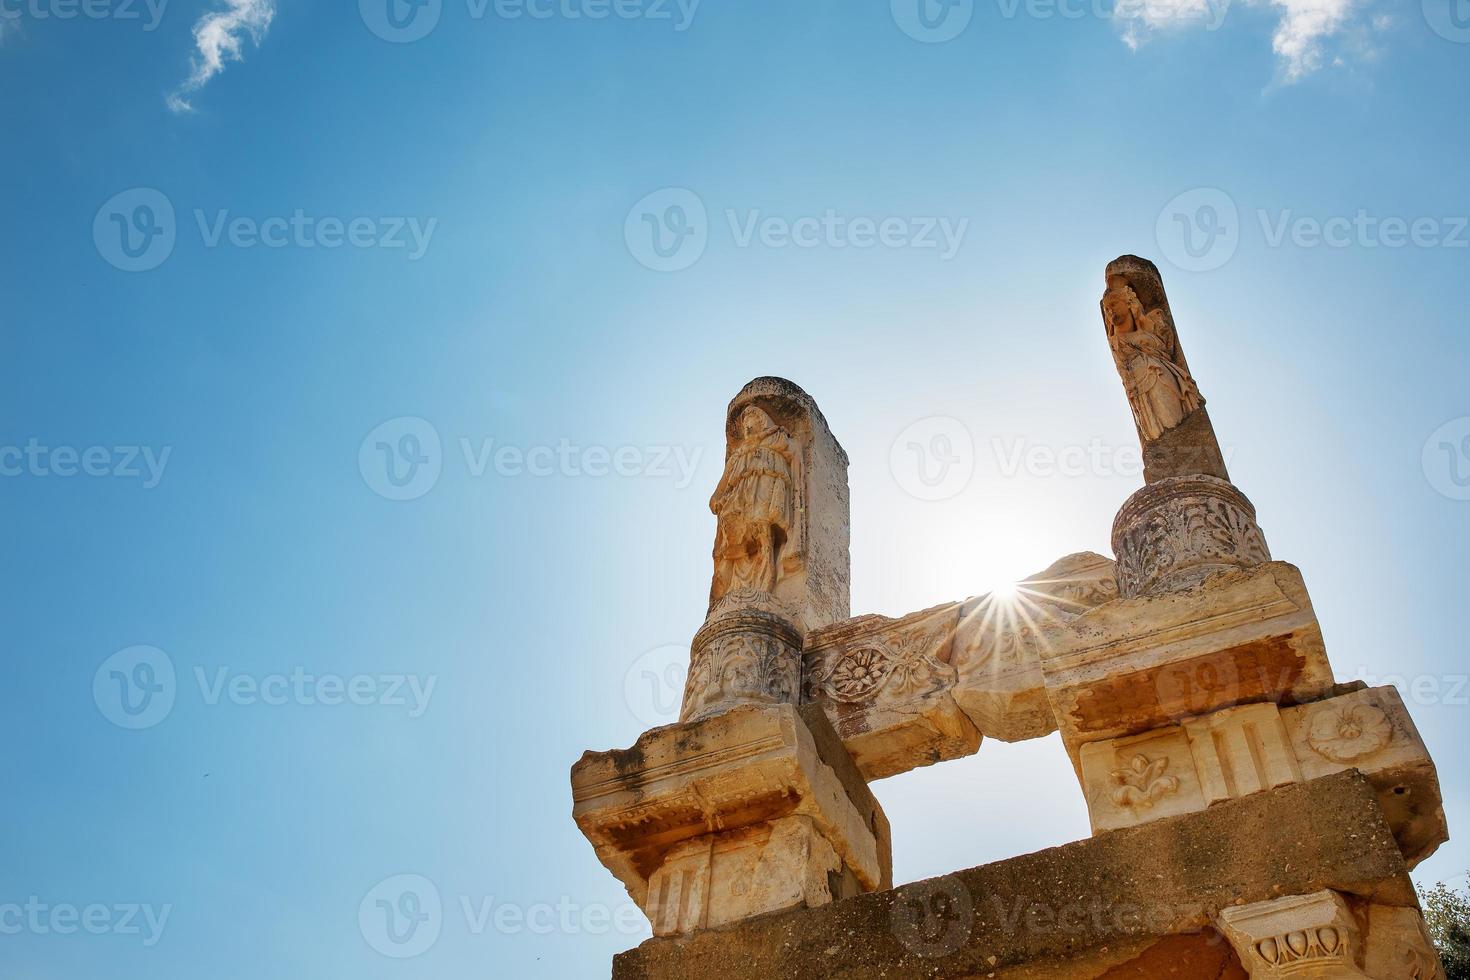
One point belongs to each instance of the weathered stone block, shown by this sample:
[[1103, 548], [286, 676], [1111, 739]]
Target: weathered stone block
[[691, 810], [1371, 731], [1137, 904], [1134, 665], [888, 687]]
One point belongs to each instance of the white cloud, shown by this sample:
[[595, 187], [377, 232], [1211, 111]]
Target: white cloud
[[1300, 39], [218, 39], [1305, 25]]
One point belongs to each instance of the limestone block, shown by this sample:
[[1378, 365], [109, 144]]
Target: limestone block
[[1371, 731], [888, 687], [1398, 946], [1182, 768], [690, 808], [1249, 749], [1133, 665], [1308, 936]]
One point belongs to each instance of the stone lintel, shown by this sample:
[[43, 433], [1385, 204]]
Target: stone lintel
[[926, 687], [1130, 904]]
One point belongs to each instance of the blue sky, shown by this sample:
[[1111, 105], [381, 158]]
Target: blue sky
[[250, 244]]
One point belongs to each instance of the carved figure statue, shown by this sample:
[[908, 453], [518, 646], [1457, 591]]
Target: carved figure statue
[[759, 533], [1160, 389]]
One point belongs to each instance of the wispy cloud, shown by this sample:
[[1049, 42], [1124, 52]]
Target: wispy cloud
[[1305, 26], [1301, 38], [218, 39]]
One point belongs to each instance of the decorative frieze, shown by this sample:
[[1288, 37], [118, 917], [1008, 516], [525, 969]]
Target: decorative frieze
[[1300, 936], [1176, 533], [746, 657]]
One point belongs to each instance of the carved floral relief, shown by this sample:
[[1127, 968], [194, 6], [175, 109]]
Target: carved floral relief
[[1348, 734], [1142, 783], [877, 670]]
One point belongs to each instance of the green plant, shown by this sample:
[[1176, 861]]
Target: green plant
[[1447, 913]]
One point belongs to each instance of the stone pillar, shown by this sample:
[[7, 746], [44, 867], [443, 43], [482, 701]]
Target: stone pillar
[[781, 566], [1189, 522], [751, 804]]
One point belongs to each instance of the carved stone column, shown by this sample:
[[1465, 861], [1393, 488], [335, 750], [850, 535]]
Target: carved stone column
[[1189, 522], [781, 566]]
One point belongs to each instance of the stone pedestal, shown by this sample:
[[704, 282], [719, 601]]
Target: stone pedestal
[[751, 811], [1178, 532], [747, 656]]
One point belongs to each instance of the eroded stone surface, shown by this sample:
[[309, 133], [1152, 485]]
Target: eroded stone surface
[[781, 507], [692, 808], [1178, 532], [1077, 911]]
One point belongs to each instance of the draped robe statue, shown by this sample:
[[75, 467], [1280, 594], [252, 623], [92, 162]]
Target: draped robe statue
[[1160, 389], [756, 502]]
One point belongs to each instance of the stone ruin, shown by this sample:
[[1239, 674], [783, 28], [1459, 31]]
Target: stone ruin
[[1251, 816]]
